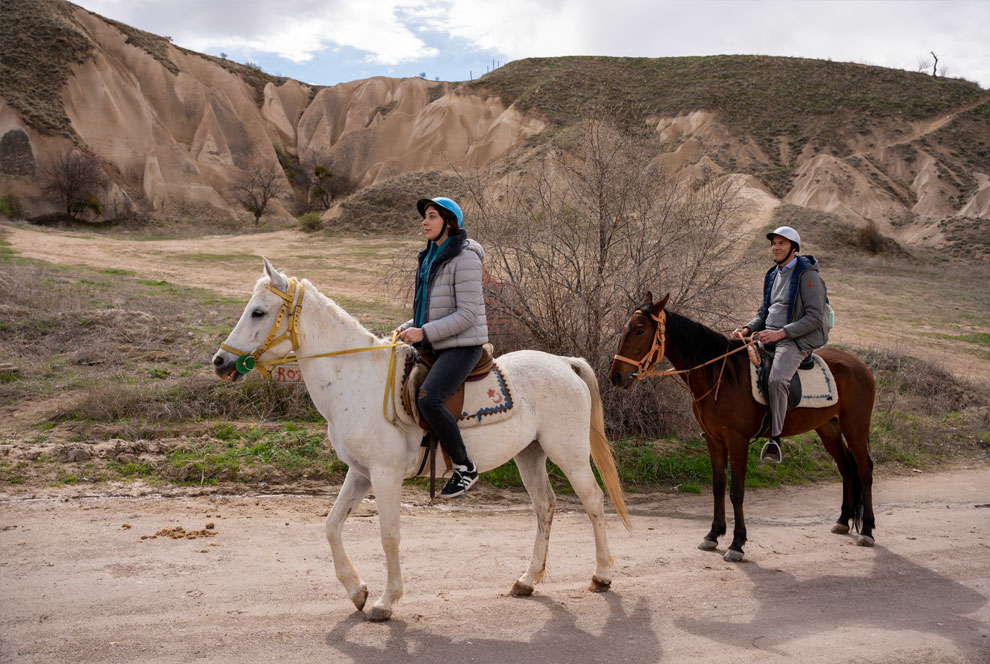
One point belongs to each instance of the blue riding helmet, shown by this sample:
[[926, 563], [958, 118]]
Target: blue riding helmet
[[443, 202]]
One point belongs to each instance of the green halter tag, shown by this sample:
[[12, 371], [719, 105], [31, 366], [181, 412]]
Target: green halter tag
[[244, 364]]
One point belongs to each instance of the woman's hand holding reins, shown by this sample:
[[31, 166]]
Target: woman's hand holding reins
[[411, 335]]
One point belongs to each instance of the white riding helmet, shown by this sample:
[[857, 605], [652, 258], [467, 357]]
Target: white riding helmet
[[789, 233]]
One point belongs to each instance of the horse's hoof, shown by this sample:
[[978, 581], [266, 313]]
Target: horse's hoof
[[865, 540], [378, 614], [599, 585], [707, 545], [521, 590], [840, 529], [360, 597], [733, 556]]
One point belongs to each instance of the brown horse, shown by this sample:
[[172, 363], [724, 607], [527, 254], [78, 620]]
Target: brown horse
[[716, 371]]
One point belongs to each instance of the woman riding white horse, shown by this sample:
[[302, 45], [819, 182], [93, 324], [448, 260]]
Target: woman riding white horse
[[558, 415], [449, 322]]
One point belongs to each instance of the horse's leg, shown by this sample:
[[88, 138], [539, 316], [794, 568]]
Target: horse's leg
[[577, 468], [831, 438], [387, 485], [717, 457], [738, 457], [532, 464], [354, 489], [857, 435]]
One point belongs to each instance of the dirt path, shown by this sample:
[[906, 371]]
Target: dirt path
[[80, 585], [229, 264]]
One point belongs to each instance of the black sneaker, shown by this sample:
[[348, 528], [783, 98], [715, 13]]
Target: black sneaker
[[461, 480], [770, 453]]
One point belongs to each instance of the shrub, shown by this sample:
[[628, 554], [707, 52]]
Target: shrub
[[10, 206], [870, 238], [310, 221]]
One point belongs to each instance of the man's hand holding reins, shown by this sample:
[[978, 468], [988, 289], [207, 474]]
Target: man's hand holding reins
[[740, 333], [770, 336]]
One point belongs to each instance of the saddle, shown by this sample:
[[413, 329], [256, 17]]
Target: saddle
[[766, 352], [765, 363], [418, 365]]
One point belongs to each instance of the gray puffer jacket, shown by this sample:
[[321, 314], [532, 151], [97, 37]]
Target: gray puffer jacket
[[806, 315], [455, 304]]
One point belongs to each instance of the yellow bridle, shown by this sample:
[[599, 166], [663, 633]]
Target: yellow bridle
[[247, 361], [290, 296]]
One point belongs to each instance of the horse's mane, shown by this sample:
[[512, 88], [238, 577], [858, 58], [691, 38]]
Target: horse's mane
[[338, 311], [697, 343], [335, 309]]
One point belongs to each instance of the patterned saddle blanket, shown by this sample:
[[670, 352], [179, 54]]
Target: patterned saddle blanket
[[810, 388], [483, 399]]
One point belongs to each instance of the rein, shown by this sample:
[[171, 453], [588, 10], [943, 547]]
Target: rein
[[247, 361], [647, 365]]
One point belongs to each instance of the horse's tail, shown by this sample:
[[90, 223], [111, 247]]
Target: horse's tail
[[601, 450]]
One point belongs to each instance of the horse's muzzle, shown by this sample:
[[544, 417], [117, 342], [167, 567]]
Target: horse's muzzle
[[624, 381], [224, 366]]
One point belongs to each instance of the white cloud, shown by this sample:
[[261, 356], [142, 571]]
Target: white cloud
[[392, 32], [292, 29], [879, 32]]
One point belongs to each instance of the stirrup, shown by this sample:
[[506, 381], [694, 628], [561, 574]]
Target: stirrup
[[765, 457]]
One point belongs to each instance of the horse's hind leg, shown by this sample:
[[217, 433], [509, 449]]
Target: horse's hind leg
[[532, 464], [831, 438], [577, 468], [857, 435], [354, 489]]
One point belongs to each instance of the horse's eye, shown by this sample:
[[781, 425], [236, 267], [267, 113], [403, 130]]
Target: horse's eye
[[257, 313], [640, 331]]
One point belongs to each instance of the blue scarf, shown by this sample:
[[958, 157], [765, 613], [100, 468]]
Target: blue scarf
[[419, 302]]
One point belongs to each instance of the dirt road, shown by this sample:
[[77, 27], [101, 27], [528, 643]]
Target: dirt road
[[80, 584], [228, 264]]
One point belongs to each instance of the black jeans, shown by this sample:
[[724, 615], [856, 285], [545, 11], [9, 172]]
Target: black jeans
[[450, 369]]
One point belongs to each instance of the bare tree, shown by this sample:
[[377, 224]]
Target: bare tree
[[75, 179], [574, 244], [325, 180], [260, 184], [319, 175], [934, 66]]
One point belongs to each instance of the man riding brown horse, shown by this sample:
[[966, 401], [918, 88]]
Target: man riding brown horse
[[791, 323]]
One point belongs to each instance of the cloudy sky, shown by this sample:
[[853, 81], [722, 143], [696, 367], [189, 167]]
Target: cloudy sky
[[331, 41]]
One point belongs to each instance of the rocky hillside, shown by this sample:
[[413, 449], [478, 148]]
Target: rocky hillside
[[174, 129]]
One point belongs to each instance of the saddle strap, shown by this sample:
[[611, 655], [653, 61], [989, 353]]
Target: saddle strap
[[431, 442], [433, 465]]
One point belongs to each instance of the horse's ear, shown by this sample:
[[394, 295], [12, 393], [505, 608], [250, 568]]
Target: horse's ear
[[278, 280], [658, 307], [648, 298]]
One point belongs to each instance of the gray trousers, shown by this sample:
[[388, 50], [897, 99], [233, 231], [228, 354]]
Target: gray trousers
[[786, 358]]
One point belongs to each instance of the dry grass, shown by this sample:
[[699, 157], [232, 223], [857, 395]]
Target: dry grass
[[40, 44]]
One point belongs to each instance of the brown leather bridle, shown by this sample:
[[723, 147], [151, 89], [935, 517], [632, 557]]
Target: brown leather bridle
[[645, 367]]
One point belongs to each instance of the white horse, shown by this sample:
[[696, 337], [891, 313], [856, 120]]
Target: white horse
[[559, 416]]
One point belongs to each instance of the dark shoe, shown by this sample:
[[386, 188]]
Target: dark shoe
[[771, 451], [460, 481]]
